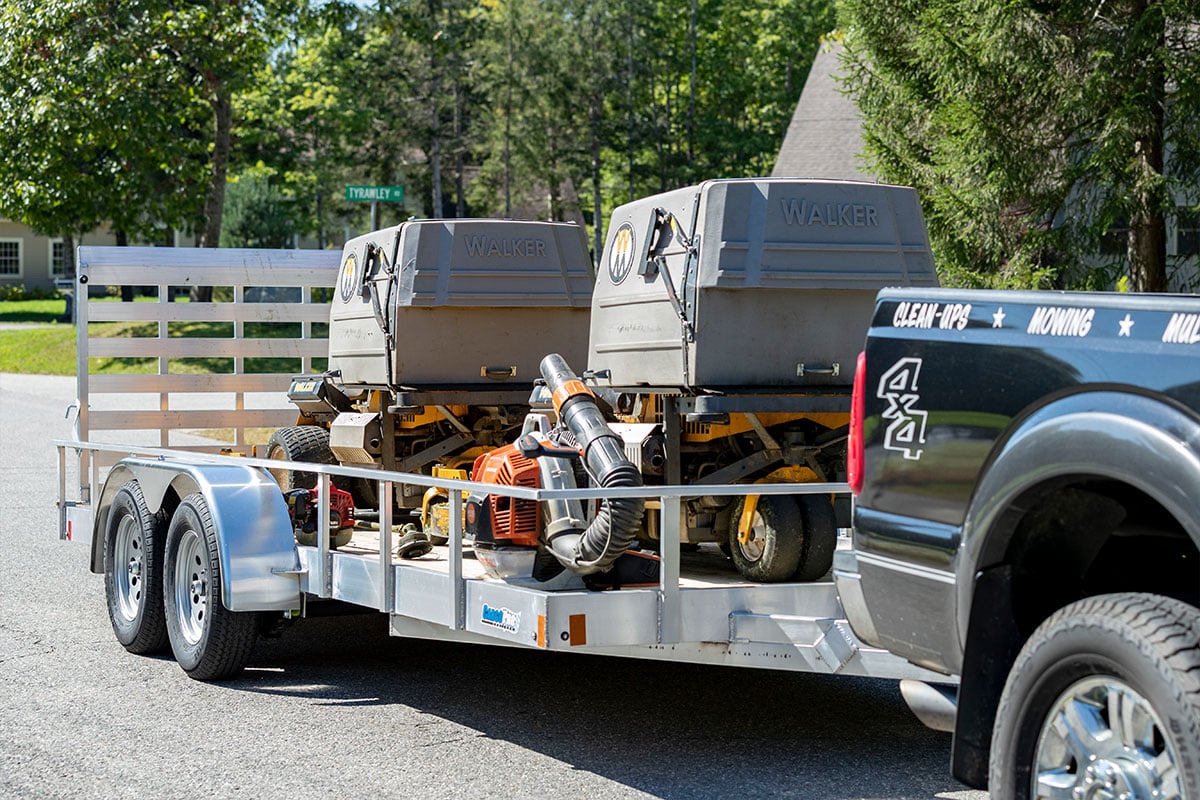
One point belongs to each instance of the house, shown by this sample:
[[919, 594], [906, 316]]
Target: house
[[824, 139], [29, 259]]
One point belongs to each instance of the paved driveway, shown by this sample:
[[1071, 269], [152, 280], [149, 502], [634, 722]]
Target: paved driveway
[[337, 709]]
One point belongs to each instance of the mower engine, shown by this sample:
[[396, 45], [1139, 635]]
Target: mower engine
[[506, 530], [304, 510]]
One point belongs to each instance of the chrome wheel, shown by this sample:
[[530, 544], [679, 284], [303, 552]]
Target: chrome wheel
[[129, 554], [1103, 741], [191, 586]]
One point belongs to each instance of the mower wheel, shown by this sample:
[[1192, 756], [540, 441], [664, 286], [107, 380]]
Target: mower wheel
[[433, 530], [820, 537], [308, 444], [775, 542]]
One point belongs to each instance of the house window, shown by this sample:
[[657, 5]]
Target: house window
[[1115, 241], [58, 258], [1187, 232], [10, 257]]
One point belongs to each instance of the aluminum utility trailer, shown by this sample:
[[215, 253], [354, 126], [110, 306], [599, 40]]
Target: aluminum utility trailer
[[700, 611]]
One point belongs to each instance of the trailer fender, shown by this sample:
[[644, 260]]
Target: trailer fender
[[255, 542]]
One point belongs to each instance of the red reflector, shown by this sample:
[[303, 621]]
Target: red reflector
[[854, 447]]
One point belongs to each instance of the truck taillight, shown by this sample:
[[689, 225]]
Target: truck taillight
[[854, 447]]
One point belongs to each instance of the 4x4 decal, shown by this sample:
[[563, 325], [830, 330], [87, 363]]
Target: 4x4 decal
[[906, 423]]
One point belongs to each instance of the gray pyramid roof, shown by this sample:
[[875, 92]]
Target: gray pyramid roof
[[825, 136]]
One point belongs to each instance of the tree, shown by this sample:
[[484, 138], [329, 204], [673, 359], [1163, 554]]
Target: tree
[[256, 212], [213, 49], [89, 131], [308, 113], [102, 114], [1030, 128]]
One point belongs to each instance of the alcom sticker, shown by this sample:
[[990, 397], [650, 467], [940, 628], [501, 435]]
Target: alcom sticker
[[503, 618]]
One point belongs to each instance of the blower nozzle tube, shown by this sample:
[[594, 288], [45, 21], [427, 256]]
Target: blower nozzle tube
[[614, 527]]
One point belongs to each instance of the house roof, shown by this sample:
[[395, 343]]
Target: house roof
[[824, 138]]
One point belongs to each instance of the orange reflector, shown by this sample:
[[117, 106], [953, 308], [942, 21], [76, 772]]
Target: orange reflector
[[577, 629], [541, 634]]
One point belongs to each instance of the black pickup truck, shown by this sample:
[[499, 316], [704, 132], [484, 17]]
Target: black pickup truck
[[1027, 476]]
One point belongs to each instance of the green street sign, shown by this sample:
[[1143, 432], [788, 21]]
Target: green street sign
[[378, 194]]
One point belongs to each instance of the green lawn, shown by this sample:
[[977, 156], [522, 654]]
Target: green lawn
[[42, 311], [49, 348]]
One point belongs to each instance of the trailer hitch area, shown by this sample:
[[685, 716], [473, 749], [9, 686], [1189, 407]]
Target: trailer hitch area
[[746, 522]]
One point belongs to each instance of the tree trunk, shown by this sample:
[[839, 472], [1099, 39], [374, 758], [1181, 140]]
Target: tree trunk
[[435, 121], [1147, 224], [123, 241], [597, 185], [691, 119], [214, 204], [460, 163]]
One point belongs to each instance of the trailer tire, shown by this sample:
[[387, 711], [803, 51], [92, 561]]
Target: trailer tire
[[820, 537], [1134, 655], [776, 542], [210, 642], [134, 540]]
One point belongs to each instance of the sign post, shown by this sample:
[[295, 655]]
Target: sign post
[[375, 195]]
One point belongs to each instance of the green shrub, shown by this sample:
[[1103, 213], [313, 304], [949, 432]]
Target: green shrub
[[19, 292]]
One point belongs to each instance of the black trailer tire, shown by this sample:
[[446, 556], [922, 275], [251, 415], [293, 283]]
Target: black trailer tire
[[820, 537], [308, 444], [1134, 655], [776, 542], [134, 540], [210, 642]]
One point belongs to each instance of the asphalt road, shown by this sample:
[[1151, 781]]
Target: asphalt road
[[335, 708]]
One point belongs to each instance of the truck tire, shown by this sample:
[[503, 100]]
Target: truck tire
[[820, 537], [134, 540], [776, 541], [1103, 701], [308, 444], [210, 642]]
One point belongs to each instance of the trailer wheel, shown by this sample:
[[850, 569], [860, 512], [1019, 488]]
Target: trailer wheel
[[133, 563], [820, 537], [1103, 701], [210, 642], [775, 544]]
